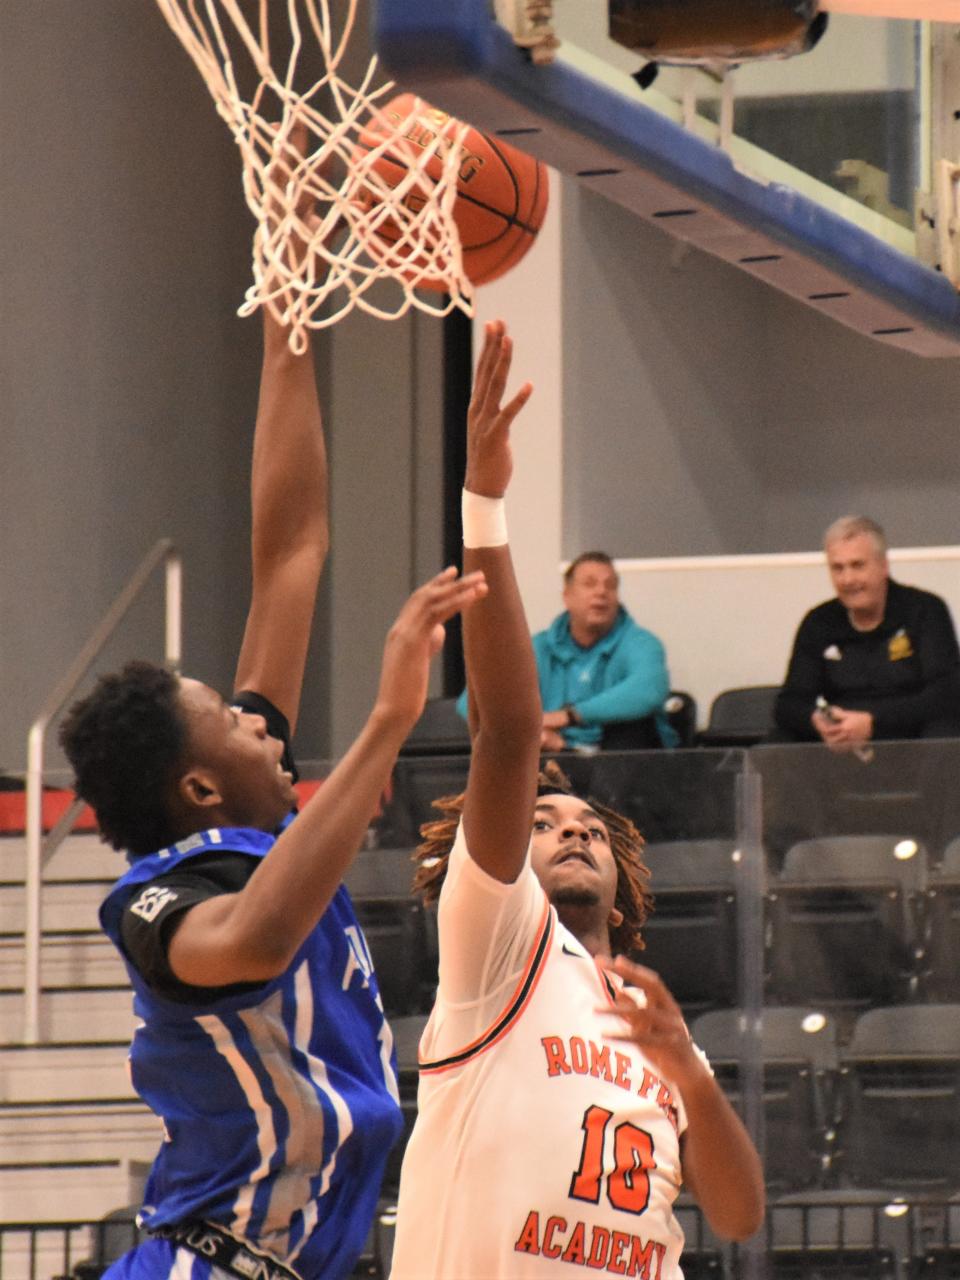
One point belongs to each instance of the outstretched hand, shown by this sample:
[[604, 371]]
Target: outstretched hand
[[489, 456], [653, 1023], [417, 635]]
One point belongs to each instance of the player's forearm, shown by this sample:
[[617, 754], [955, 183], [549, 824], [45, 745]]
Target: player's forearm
[[721, 1162], [253, 935], [289, 478], [502, 673]]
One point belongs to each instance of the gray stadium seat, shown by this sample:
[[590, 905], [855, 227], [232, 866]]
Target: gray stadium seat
[[901, 1099], [942, 927], [416, 782], [690, 939], [844, 921], [681, 709], [379, 882], [798, 1047], [741, 717], [842, 1234], [935, 1240]]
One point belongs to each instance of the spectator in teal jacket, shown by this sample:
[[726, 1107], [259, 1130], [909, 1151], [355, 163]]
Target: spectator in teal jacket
[[603, 679]]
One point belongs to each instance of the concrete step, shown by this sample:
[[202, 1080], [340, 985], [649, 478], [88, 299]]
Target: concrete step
[[78, 858], [64, 908], [55, 1134], [81, 960], [65, 1073], [72, 1017], [69, 1193]]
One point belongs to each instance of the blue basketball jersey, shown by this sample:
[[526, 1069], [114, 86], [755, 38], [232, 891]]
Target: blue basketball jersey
[[279, 1105]]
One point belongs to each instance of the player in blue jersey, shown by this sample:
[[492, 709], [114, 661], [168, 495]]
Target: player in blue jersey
[[263, 1045]]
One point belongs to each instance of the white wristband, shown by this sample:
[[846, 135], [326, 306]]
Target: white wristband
[[484, 520]]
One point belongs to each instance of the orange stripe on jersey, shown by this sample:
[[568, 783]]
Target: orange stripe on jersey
[[536, 963], [607, 985]]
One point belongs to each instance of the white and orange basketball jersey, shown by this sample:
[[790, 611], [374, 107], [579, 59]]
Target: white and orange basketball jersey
[[540, 1143]]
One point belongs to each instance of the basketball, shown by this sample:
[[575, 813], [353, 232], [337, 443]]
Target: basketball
[[501, 192]]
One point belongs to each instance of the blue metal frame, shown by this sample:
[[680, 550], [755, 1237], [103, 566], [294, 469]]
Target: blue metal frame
[[454, 54]]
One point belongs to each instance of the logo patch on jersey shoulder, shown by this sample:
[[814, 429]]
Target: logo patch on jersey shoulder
[[900, 647], [832, 653], [191, 842], [572, 951], [152, 901]]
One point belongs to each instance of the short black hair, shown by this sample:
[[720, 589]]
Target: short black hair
[[124, 742], [588, 557]]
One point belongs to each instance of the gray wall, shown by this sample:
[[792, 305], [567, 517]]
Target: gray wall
[[663, 392], [126, 380], [128, 385], [705, 414], [701, 414], [851, 426]]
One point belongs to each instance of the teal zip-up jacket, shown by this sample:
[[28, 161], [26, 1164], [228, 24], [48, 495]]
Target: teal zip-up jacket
[[621, 677]]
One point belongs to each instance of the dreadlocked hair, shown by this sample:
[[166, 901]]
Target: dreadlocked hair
[[124, 741], [634, 899]]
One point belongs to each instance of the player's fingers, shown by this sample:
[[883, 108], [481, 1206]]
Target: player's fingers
[[492, 334], [509, 412], [627, 1011], [461, 599], [483, 363], [419, 602], [450, 580], [450, 597], [437, 637], [650, 983], [298, 138], [625, 1025], [437, 601], [439, 588], [500, 371]]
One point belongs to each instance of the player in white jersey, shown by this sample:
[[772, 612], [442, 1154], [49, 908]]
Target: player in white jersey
[[559, 1111]]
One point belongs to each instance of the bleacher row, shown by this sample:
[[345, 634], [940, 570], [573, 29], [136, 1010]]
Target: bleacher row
[[859, 1044]]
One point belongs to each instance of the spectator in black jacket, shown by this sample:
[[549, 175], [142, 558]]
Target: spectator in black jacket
[[879, 661]]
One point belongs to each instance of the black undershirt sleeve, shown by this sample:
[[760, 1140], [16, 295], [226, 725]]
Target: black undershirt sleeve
[[154, 911]]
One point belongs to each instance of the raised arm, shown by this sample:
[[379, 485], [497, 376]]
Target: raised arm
[[288, 494], [290, 526], [254, 934], [505, 708]]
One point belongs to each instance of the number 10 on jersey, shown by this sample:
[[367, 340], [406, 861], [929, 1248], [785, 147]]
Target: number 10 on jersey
[[628, 1185]]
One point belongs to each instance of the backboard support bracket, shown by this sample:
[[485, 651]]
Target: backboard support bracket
[[948, 220], [824, 249], [945, 148], [530, 22]]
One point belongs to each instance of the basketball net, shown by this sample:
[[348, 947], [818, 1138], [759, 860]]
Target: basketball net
[[319, 207]]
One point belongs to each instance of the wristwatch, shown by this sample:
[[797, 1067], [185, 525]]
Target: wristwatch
[[572, 716]]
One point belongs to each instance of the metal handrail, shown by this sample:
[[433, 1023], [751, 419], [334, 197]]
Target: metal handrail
[[39, 851]]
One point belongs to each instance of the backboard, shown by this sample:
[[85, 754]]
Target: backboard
[[822, 175]]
